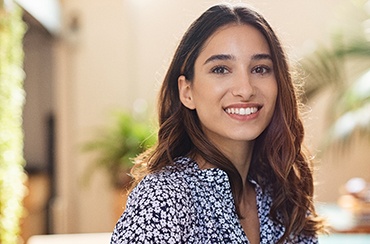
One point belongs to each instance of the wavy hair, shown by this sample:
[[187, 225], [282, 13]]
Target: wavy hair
[[277, 162]]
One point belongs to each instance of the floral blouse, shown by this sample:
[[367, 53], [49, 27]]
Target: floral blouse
[[184, 204]]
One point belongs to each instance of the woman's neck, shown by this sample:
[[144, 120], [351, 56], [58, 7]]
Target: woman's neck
[[240, 155]]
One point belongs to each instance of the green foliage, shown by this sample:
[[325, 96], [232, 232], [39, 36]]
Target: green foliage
[[12, 176], [118, 144], [344, 70]]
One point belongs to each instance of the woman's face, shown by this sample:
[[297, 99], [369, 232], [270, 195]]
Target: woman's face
[[234, 88]]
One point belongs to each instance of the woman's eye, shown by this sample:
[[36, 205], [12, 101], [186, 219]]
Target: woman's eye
[[261, 70], [220, 70]]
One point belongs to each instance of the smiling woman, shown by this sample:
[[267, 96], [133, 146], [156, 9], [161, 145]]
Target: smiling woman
[[228, 166], [234, 72]]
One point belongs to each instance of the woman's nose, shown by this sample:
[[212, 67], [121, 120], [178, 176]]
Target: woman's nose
[[243, 87]]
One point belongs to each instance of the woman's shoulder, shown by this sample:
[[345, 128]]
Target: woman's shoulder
[[158, 208], [171, 181], [178, 170]]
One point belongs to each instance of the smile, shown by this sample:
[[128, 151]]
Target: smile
[[241, 111]]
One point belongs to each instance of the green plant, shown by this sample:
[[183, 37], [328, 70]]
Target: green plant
[[344, 70], [12, 175], [117, 144]]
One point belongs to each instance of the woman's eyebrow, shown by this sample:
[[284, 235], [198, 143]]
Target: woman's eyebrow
[[261, 56], [219, 57]]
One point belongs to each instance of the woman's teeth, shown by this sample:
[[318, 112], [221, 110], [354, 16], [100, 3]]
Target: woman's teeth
[[241, 111]]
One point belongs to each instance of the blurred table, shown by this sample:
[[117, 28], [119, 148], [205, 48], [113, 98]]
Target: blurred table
[[337, 238], [90, 238], [341, 220], [104, 238], [343, 226]]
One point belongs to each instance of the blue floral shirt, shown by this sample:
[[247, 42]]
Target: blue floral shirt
[[184, 204]]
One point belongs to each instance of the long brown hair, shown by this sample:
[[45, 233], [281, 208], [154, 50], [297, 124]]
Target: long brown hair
[[277, 161]]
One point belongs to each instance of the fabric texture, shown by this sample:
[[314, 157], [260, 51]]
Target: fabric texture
[[184, 204]]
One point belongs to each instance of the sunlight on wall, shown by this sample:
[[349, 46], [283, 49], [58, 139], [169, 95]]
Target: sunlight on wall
[[45, 11]]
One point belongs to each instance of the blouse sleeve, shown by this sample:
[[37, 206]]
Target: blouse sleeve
[[157, 211]]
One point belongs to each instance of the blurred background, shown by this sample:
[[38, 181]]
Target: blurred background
[[87, 58]]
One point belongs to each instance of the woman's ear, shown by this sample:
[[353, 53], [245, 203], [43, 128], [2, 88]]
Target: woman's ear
[[185, 92]]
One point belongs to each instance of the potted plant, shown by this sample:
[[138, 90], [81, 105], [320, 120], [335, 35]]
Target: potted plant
[[117, 144]]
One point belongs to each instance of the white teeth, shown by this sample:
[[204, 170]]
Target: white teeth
[[241, 111]]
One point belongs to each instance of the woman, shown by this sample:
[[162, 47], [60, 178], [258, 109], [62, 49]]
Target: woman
[[228, 166]]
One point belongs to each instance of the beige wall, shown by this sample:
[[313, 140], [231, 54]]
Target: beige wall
[[337, 164], [117, 54]]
